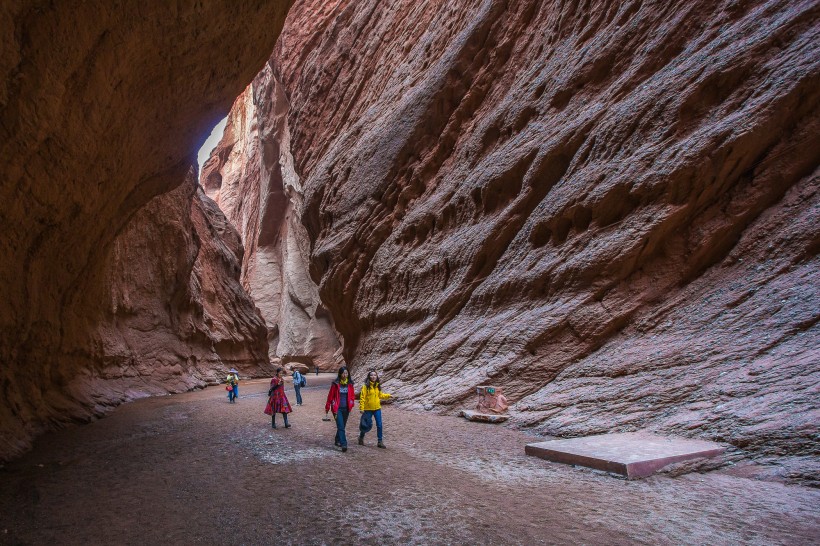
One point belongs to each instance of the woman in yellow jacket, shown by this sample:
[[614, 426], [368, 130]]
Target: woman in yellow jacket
[[370, 404]]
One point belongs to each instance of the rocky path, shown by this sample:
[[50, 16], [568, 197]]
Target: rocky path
[[191, 468]]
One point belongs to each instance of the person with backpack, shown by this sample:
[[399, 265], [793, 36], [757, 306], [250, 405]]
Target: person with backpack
[[340, 400], [232, 385], [299, 381], [277, 401], [370, 404]]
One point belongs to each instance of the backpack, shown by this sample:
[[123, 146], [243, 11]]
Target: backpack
[[299, 379]]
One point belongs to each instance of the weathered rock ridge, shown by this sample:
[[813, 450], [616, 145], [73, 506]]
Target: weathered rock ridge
[[609, 208], [119, 278], [250, 175]]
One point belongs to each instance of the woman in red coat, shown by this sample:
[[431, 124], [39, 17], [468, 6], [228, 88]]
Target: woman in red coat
[[340, 401], [277, 401]]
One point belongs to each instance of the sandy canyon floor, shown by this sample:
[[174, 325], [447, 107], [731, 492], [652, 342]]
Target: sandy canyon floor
[[193, 469]]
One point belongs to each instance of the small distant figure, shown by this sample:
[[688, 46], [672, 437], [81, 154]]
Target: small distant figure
[[299, 381], [370, 404], [232, 385], [277, 401], [317, 369], [340, 401]]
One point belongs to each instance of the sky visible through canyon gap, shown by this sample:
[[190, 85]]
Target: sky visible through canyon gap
[[211, 142]]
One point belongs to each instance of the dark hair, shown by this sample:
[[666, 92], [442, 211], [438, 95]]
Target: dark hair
[[339, 375], [377, 384], [279, 370]]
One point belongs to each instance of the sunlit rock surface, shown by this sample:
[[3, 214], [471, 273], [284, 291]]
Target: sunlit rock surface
[[608, 208], [102, 109], [250, 175]]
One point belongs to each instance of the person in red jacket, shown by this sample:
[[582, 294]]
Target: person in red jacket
[[277, 401], [340, 401]]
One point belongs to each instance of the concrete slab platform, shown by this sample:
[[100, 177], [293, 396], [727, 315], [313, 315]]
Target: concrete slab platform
[[471, 415], [630, 454]]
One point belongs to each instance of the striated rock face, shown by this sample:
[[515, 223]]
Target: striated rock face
[[250, 175], [608, 208], [113, 287], [176, 315]]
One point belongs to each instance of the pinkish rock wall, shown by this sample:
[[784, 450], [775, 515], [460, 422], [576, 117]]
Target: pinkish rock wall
[[112, 287], [250, 175], [608, 208], [175, 315]]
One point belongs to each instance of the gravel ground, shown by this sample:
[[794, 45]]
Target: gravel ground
[[193, 469]]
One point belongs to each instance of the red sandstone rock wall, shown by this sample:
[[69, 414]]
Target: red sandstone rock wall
[[108, 291], [609, 208], [250, 175], [175, 314]]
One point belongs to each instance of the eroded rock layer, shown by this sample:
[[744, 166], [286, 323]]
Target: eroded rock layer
[[176, 315], [609, 208], [250, 175], [112, 287]]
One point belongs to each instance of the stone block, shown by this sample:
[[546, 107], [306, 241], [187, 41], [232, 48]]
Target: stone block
[[633, 454], [491, 400], [471, 415]]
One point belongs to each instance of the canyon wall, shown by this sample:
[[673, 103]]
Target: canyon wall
[[608, 208], [250, 176], [120, 279], [175, 315]]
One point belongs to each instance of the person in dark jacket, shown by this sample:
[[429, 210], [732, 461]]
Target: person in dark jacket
[[340, 400]]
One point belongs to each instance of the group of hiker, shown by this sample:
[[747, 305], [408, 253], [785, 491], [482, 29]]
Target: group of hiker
[[341, 398]]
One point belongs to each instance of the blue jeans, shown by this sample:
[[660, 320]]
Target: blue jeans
[[341, 423], [298, 390], [366, 423]]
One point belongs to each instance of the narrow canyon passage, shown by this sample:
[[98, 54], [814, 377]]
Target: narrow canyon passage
[[608, 209], [191, 469]]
